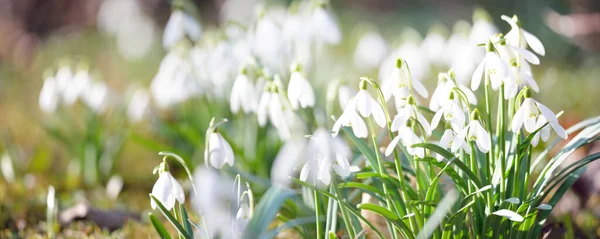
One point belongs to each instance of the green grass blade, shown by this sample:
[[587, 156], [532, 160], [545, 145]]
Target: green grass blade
[[266, 210], [170, 217], [160, 229]]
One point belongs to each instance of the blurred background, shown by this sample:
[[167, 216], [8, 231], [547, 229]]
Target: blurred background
[[103, 152]]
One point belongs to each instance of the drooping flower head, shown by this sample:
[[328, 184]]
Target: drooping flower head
[[492, 66], [180, 26], [300, 92], [476, 132], [533, 114], [217, 151], [517, 36], [166, 189]]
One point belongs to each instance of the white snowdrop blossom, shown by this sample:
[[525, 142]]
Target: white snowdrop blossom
[[300, 92], [410, 111], [544, 132], [78, 85], [475, 132], [517, 36], [434, 44], [518, 78], [450, 140], [400, 84], [96, 96], [452, 113], [325, 152], [492, 65], [215, 201], [49, 96], [406, 135], [370, 50], [175, 80], [242, 94], [350, 117], [180, 25], [327, 28], [219, 151], [167, 190], [533, 114], [291, 155], [446, 84], [138, 104], [273, 106], [367, 106]]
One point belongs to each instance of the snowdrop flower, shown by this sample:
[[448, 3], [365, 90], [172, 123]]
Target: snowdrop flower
[[63, 78], [410, 111], [216, 203], [450, 140], [400, 84], [517, 36], [138, 104], [406, 136], [325, 152], [327, 28], [434, 43], [351, 118], [520, 77], [446, 84], [475, 132], [78, 85], [300, 92], [180, 25], [345, 93], [166, 189], [291, 155], [452, 114], [482, 27], [533, 113], [49, 95], [492, 65], [267, 43], [366, 105], [96, 96], [370, 51], [512, 53], [219, 151], [242, 94], [175, 80]]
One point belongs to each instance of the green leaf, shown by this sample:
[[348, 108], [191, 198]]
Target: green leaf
[[390, 216], [160, 229], [266, 210], [185, 219], [364, 187], [449, 156], [170, 217]]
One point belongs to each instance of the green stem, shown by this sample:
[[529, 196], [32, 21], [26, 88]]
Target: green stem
[[382, 171], [318, 223]]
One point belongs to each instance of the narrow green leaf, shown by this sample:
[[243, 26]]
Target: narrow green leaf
[[160, 229], [266, 210], [170, 217], [390, 216], [185, 219], [449, 156]]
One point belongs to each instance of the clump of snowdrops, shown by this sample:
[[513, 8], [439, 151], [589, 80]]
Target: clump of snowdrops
[[465, 165]]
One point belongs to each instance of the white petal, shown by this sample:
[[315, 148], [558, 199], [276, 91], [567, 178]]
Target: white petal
[[342, 167], [494, 61], [162, 191], [476, 78], [530, 81], [535, 43], [263, 108], [530, 124], [363, 103], [527, 55], [390, 148], [550, 117], [177, 192], [399, 121], [424, 123], [518, 119], [174, 30], [304, 173], [192, 27], [378, 115], [359, 127], [327, 27], [436, 119], [420, 88], [535, 139], [49, 96], [447, 137], [483, 139]]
